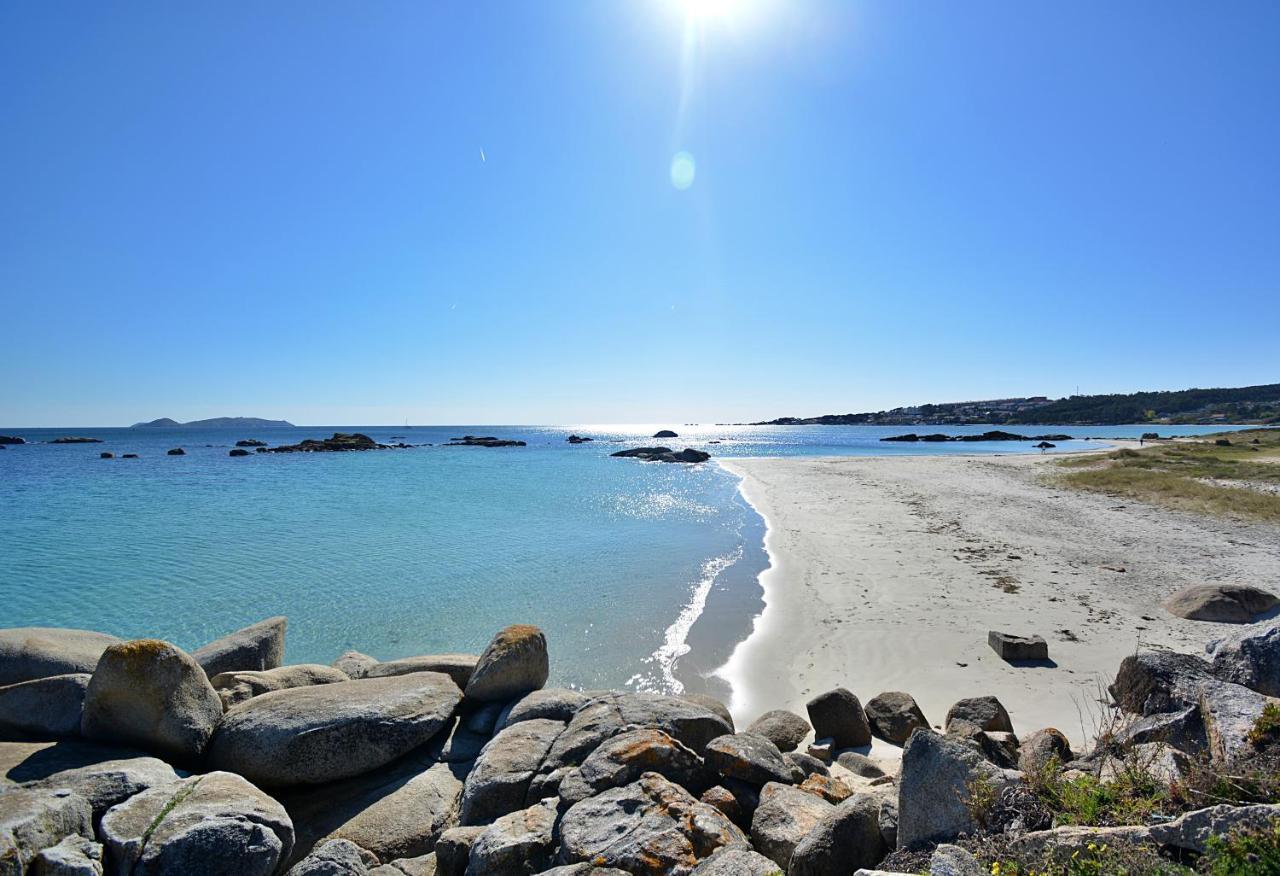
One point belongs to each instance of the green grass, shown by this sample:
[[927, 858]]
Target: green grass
[[1131, 797], [1244, 853], [1175, 474], [1266, 730]]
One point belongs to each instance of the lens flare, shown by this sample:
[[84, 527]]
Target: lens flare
[[683, 169]]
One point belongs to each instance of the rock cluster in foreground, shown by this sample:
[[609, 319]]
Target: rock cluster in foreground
[[135, 757]]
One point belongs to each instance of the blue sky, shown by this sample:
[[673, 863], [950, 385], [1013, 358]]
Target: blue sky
[[281, 209]]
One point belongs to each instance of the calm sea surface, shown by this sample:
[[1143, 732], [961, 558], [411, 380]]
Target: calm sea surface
[[626, 565]]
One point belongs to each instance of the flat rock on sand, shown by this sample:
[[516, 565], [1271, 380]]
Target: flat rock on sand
[[312, 735], [1224, 603], [37, 652]]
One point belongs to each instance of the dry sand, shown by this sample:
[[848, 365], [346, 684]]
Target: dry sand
[[887, 573]]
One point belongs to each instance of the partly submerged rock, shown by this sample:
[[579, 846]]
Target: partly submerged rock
[[339, 442], [354, 664], [648, 828], [313, 735], [236, 687], [38, 652], [257, 647], [459, 667], [153, 695], [182, 828], [43, 708], [664, 454], [514, 663], [1223, 603], [483, 441]]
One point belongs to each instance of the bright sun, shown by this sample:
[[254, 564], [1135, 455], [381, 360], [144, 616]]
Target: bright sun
[[704, 9]]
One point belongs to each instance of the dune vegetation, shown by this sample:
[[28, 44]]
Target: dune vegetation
[[1234, 474]]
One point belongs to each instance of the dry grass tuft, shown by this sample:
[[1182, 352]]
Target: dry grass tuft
[[1205, 477]]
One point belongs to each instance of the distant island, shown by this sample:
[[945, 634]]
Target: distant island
[[1259, 405], [215, 423]]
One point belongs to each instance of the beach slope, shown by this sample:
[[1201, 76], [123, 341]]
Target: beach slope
[[888, 572]]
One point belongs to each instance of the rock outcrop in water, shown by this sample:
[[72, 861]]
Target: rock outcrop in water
[[664, 454], [341, 441], [483, 441], [12, 439], [458, 764], [75, 439]]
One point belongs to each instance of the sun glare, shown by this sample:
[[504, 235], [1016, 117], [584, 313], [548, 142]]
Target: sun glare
[[705, 9]]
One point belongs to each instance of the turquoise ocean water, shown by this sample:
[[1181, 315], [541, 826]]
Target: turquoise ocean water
[[642, 574]]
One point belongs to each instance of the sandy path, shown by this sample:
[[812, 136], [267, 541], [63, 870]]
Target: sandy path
[[889, 571]]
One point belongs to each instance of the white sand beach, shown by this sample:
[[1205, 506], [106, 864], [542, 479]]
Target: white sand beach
[[888, 572]]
